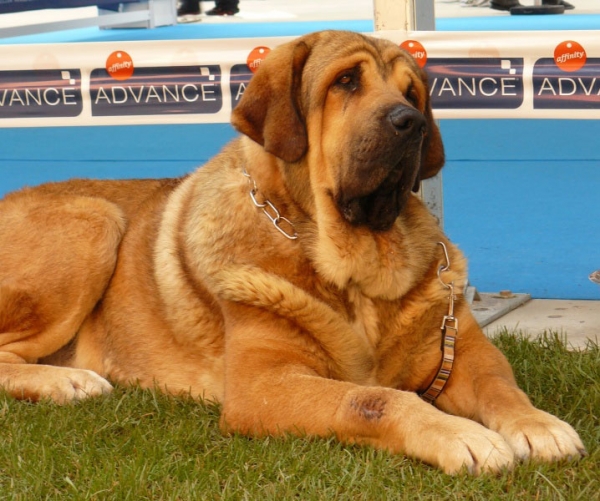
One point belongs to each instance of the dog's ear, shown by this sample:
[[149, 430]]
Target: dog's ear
[[269, 111], [432, 151]]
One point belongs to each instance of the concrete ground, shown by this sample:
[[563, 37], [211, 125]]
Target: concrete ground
[[578, 320], [293, 10]]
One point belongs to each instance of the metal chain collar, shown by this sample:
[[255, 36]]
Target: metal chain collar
[[449, 333], [271, 211]]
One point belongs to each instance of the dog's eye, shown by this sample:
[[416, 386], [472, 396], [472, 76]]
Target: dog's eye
[[345, 79], [412, 96], [348, 80]]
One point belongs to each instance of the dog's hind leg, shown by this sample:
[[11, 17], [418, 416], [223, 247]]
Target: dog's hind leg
[[57, 255]]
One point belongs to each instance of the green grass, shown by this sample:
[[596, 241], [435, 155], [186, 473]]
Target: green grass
[[138, 445]]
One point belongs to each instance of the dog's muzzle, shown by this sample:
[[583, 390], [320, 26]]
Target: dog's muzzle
[[386, 180]]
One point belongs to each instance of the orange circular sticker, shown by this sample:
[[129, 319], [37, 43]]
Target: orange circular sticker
[[416, 50], [256, 57], [570, 56], [119, 65]]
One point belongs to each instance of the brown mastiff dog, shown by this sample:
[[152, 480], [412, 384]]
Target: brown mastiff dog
[[294, 278]]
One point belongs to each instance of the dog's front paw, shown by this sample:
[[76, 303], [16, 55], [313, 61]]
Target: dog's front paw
[[459, 443], [476, 448], [539, 435]]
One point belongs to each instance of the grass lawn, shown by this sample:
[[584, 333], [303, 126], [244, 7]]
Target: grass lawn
[[137, 445]]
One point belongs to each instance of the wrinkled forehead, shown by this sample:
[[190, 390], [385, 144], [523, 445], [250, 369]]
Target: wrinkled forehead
[[332, 53], [330, 56], [328, 49]]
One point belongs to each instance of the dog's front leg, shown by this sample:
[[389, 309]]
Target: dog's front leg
[[277, 382], [482, 387]]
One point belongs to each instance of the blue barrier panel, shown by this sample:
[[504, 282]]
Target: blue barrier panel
[[520, 195]]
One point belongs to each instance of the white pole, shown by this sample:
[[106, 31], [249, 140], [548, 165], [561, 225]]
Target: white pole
[[393, 14], [405, 15]]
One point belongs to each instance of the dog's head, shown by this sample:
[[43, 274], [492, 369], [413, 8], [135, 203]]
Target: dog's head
[[356, 110]]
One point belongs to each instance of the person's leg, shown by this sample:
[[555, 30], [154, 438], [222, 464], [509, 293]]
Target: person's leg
[[224, 8], [188, 11]]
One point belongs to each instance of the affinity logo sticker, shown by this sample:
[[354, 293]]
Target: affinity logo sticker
[[119, 65], [256, 57], [416, 50], [570, 56]]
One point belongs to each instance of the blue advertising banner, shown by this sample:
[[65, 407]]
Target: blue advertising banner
[[156, 91], [40, 93], [475, 83], [553, 88]]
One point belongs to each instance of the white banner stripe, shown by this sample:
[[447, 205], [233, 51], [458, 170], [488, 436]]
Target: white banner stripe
[[472, 75]]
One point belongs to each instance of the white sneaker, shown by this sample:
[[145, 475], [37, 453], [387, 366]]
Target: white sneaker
[[189, 18]]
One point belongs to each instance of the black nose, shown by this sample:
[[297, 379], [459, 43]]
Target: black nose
[[407, 120]]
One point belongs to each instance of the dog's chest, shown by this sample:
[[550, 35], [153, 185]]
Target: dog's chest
[[401, 337], [364, 318]]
